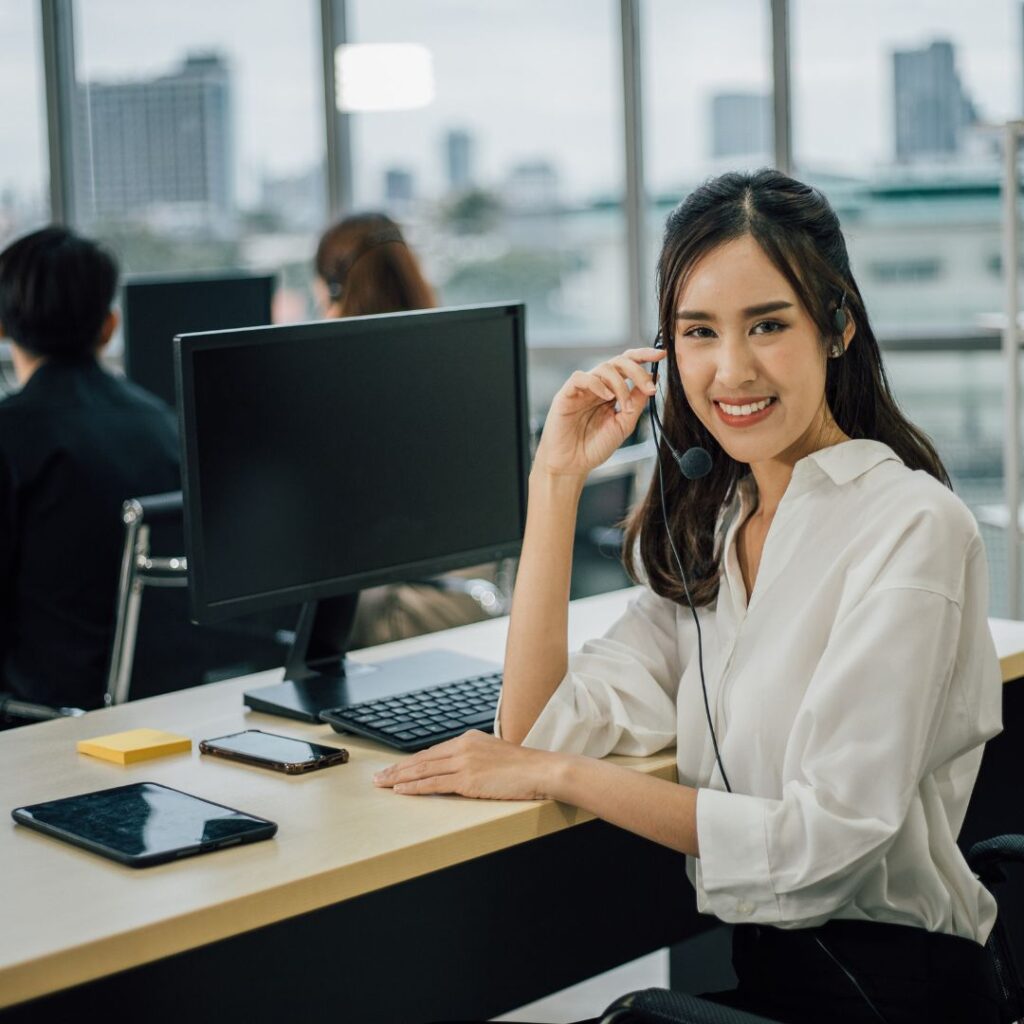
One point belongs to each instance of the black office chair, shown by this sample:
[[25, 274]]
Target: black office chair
[[987, 859], [156, 648]]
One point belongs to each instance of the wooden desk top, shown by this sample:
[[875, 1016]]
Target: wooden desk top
[[79, 916]]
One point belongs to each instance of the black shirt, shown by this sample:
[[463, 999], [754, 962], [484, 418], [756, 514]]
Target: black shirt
[[75, 443]]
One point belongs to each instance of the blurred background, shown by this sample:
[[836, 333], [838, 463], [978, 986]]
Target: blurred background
[[532, 150]]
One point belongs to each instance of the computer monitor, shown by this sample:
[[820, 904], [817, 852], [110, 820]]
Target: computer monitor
[[323, 458], [156, 308]]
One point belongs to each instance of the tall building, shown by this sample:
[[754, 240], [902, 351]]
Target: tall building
[[932, 109], [399, 185], [158, 148], [458, 146], [741, 125]]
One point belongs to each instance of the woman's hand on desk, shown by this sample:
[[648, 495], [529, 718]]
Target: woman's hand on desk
[[479, 765]]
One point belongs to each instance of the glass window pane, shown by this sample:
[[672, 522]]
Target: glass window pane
[[24, 172], [707, 93], [900, 126], [510, 180], [199, 136]]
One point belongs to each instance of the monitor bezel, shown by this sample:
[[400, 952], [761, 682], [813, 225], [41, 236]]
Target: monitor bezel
[[203, 609]]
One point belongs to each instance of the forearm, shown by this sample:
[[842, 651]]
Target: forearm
[[537, 652], [656, 809]]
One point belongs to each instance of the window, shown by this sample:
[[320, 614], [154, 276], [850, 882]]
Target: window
[[707, 94], [510, 180], [198, 136], [24, 190], [897, 117]]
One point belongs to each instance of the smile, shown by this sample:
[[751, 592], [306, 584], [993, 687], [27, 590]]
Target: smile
[[747, 414]]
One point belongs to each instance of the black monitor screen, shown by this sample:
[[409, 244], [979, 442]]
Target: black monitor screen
[[322, 458], [157, 309]]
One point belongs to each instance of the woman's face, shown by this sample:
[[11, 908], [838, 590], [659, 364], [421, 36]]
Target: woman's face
[[750, 357]]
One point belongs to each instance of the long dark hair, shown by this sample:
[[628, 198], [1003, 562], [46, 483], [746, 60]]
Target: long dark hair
[[799, 232], [368, 267]]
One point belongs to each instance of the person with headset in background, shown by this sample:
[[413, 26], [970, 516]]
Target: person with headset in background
[[364, 266], [812, 635]]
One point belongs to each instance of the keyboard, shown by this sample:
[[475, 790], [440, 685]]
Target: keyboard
[[421, 718]]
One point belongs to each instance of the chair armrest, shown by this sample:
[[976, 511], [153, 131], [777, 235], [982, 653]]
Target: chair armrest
[[985, 857], [662, 1006], [11, 708], [153, 508]]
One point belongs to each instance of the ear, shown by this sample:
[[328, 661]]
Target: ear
[[107, 330]]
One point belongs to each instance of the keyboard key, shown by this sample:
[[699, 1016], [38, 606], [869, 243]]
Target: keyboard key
[[478, 719]]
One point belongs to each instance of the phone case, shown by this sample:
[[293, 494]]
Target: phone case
[[288, 767]]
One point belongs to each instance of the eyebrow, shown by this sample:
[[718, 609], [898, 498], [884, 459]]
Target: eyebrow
[[764, 307]]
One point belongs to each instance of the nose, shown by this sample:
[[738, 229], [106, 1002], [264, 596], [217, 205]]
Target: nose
[[736, 363]]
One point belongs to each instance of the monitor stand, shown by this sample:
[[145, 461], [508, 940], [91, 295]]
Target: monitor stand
[[318, 676]]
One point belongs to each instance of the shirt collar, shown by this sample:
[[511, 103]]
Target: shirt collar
[[844, 462]]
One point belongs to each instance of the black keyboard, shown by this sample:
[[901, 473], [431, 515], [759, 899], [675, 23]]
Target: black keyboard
[[412, 721]]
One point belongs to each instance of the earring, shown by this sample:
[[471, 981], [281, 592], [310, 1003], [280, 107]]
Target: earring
[[836, 349]]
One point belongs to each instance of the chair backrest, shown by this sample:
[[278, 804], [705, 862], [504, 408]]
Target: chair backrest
[[156, 648]]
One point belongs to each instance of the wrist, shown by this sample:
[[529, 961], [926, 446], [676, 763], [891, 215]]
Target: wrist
[[562, 776], [543, 482]]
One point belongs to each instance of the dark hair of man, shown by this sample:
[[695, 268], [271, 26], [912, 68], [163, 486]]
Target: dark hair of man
[[799, 232], [56, 289], [369, 268]]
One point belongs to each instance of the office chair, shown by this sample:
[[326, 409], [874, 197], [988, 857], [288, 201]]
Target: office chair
[[987, 859], [174, 653]]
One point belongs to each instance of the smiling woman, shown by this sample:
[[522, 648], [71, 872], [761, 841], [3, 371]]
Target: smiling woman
[[833, 588]]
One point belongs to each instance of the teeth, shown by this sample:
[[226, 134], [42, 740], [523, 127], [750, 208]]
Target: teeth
[[745, 410]]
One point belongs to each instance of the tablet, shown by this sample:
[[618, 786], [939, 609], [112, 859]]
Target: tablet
[[144, 823]]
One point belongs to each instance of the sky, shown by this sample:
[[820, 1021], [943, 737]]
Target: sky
[[528, 78]]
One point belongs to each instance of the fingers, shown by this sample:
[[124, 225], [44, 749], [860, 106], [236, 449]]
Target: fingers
[[418, 770], [436, 784], [425, 761], [582, 381]]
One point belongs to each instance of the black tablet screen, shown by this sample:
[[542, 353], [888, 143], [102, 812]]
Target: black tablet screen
[[143, 821]]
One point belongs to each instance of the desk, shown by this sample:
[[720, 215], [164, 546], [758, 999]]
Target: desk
[[366, 906]]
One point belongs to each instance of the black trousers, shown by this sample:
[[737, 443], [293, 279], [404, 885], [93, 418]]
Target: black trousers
[[912, 976], [909, 974]]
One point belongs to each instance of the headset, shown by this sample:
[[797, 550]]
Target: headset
[[335, 284], [694, 464]]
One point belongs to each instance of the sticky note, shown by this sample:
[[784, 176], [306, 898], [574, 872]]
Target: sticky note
[[134, 745]]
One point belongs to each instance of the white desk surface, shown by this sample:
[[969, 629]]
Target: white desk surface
[[70, 916]]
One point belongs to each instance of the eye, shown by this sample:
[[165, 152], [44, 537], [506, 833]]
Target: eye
[[694, 332], [770, 327]]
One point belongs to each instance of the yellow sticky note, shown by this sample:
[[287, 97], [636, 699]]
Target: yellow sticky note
[[134, 745]]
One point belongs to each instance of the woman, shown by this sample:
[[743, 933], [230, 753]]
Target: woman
[[364, 266], [839, 595]]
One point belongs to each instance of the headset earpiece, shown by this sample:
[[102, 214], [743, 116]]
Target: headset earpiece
[[839, 316]]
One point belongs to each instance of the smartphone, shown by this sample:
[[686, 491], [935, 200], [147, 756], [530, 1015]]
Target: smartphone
[[268, 750]]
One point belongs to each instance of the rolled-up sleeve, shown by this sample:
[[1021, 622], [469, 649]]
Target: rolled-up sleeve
[[619, 693], [887, 705]]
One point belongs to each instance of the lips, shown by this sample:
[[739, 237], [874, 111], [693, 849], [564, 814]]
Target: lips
[[746, 412]]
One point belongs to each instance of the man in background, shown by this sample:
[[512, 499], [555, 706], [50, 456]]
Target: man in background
[[75, 443]]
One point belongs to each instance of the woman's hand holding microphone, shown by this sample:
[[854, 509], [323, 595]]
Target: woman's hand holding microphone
[[594, 412]]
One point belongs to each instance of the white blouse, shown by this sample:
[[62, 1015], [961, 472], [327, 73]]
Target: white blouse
[[851, 699]]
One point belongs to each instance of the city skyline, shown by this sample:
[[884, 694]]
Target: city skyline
[[274, 141]]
